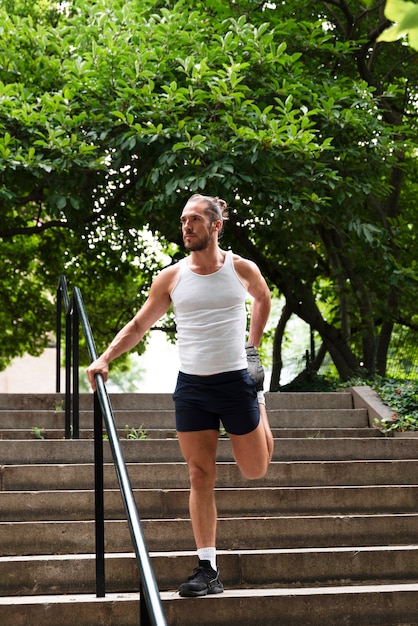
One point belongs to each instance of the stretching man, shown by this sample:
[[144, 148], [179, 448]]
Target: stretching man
[[220, 377]]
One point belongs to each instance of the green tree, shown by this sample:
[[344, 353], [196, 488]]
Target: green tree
[[113, 113], [405, 16]]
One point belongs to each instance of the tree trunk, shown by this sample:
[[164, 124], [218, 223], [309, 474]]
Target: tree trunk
[[383, 347], [339, 276], [386, 333], [277, 349], [301, 301], [303, 304], [302, 380]]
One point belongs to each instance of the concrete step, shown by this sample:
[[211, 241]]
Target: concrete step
[[166, 433], [175, 475], [173, 503], [55, 420], [37, 433], [167, 450], [56, 401], [325, 433], [360, 605], [337, 507], [235, 533], [310, 400], [318, 418], [120, 609], [390, 605], [153, 401], [148, 419], [240, 569]]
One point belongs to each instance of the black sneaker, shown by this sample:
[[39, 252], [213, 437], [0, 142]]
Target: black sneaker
[[204, 580]]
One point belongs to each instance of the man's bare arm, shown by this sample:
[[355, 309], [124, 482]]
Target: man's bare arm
[[258, 289], [156, 305]]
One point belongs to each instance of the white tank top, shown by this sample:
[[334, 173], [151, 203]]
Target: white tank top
[[211, 319]]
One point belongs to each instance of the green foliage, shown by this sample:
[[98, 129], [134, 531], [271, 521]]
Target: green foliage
[[405, 14], [402, 398], [312, 382], [403, 355], [38, 432], [399, 395], [22, 285], [113, 113], [400, 423], [135, 433]]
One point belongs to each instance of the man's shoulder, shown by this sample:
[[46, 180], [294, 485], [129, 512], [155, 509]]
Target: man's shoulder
[[246, 270], [241, 263], [167, 277], [171, 269]]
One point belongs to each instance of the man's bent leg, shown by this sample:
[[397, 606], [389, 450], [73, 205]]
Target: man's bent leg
[[253, 451], [267, 430]]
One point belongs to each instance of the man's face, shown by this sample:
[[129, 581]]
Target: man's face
[[196, 228]]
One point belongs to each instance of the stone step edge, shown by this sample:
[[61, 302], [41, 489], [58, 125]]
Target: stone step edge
[[163, 490], [66, 599], [220, 553], [306, 591], [224, 519], [172, 430], [229, 593], [157, 503]]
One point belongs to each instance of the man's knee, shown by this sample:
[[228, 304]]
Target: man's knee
[[202, 477], [254, 472], [252, 453]]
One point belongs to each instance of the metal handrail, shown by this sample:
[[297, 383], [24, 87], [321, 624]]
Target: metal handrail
[[151, 612]]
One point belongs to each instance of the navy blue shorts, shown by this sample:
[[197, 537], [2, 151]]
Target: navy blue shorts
[[203, 402]]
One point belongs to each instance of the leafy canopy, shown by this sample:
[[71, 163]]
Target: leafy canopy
[[113, 113]]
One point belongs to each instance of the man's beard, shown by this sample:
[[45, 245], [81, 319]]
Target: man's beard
[[199, 244]]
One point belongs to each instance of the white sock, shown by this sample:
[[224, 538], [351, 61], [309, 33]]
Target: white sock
[[208, 554], [260, 397]]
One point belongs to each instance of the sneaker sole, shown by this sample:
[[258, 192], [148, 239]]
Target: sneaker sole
[[196, 594]]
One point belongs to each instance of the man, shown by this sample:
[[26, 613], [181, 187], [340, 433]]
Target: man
[[208, 290]]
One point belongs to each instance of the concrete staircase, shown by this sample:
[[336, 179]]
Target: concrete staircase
[[328, 537]]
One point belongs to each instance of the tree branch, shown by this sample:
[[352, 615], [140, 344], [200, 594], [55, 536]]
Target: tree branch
[[112, 203], [33, 230]]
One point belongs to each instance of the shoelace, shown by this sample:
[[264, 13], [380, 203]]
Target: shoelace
[[199, 572]]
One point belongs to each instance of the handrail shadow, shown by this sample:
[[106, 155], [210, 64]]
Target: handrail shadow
[[151, 612]]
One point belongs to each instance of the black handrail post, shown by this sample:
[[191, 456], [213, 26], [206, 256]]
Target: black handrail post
[[99, 498], [58, 340], [76, 384], [144, 618], [150, 591], [68, 337], [62, 296]]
